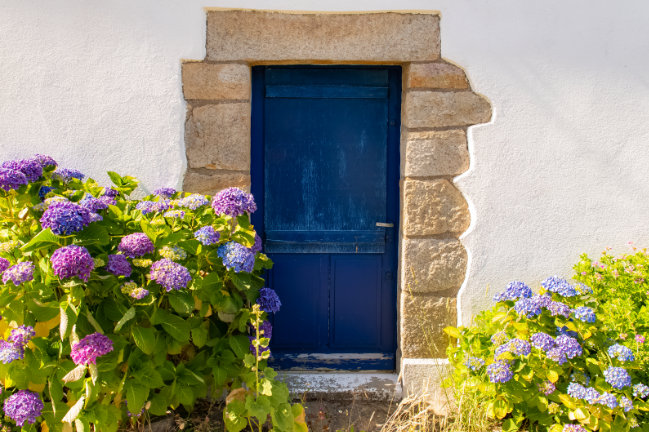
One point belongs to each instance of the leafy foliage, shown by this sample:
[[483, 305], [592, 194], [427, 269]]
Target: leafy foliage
[[175, 334]]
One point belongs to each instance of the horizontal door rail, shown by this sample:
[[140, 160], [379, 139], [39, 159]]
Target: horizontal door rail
[[325, 92]]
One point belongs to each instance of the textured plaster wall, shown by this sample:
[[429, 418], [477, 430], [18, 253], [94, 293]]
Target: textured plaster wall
[[560, 170]]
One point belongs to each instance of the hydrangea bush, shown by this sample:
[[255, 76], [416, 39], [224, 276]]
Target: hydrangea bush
[[113, 308], [546, 361]]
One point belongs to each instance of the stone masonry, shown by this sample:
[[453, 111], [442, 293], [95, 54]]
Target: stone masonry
[[438, 106]]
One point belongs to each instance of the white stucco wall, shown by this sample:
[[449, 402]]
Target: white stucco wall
[[560, 170]]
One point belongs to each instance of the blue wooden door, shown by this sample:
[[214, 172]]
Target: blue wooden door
[[325, 175]]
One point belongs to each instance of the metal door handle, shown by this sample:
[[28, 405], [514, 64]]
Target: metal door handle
[[384, 225]]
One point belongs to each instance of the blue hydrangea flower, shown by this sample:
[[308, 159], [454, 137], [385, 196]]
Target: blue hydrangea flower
[[11, 179], [237, 257], [110, 192], [617, 377], [542, 300], [66, 175], [570, 427], [527, 307], [556, 355], [93, 204], [626, 403], [620, 352], [10, 351], [30, 167], [564, 331], [576, 390], [194, 201], [580, 377], [207, 235], [583, 289], [474, 363], [542, 341], [499, 338], [19, 273], [165, 192], [569, 346], [514, 291], [118, 265], [547, 387], [608, 400], [519, 347], [591, 395], [268, 300], [43, 191], [585, 314], [233, 202], [179, 214], [560, 286], [65, 218], [640, 391], [171, 275], [558, 308], [45, 161], [499, 372]]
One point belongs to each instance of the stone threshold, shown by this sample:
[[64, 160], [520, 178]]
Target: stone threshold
[[337, 386]]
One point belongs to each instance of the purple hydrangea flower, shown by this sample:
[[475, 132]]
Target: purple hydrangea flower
[[569, 346], [4, 265], [576, 390], [90, 347], [617, 377], [564, 331], [626, 403], [519, 347], [527, 307], [620, 352], [265, 329], [556, 355], [542, 341], [10, 351], [257, 246], [174, 214], [560, 286], [118, 265], [514, 291], [22, 335], [43, 191], [547, 387], [147, 207], [93, 204], [110, 192], [233, 202], [136, 245], [194, 201], [165, 192], [542, 300], [19, 273], [65, 218], [583, 289], [23, 406], [640, 391], [585, 314], [252, 347], [474, 363], [70, 261], [591, 395], [45, 161], [573, 428], [499, 372], [171, 275], [66, 175], [30, 167], [11, 179], [268, 300], [207, 235], [236, 257], [608, 400], [558, 308]]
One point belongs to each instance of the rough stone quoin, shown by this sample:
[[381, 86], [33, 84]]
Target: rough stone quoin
[[434, 109], [210, 182], [432, 265], [267, 36], [423, 319], [218, 137], [436, 75], [435, 153], [433, 207], [207, 81]]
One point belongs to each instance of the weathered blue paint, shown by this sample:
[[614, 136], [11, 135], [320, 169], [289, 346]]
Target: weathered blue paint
[[325, 170]]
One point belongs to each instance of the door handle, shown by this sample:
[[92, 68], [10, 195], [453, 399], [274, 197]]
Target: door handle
[[385, 225]]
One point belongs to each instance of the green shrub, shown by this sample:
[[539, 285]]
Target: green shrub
[[547, 362], [113, 307]]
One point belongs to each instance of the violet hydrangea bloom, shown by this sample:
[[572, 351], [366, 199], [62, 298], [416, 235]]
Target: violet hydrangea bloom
[[620, 352], [30, 167], [641, 391], [23, 406], [10, 351], [207, 235], [136, 245], [165, 192], [66, 175], [527, 307], [569, 346], [110, 192], [4, 265], [585, 314], [19, 273], [233, 202], [118, 265], [570, 427], [73, 260], [43, 191], [93, 204], [236, 257], [542, 341], [558, 308], [560, 286], [22, 335], [474, 363], [11, 179], [171, 275], [268, 300], [174, 214], [45, 160], [514, 291], [65, 218], [194, 201], [547, 387], [499, 372], [257, 246], [90, 347], [617, 377]]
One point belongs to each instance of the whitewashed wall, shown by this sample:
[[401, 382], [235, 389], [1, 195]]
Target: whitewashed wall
[[560, 170]]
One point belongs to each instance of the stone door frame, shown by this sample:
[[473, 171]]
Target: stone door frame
[[438, 106]]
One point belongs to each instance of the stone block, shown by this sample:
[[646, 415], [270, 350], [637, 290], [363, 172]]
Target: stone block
[[435, 153], [422, 383], [432, 265], [423, 319], [209, 183], [218, 137], [433, 109], [206, 81], [433, 207], [257, 36], [435, 76]]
